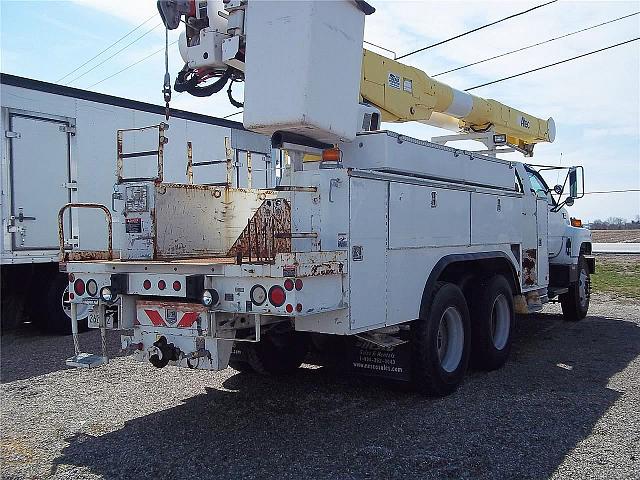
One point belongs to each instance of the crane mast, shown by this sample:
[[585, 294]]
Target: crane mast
[[283, 70]]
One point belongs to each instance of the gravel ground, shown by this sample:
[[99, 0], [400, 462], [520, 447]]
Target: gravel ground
[[566, 405]]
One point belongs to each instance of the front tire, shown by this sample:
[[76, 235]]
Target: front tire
[[575, 303], [440, 342], [492, 323]]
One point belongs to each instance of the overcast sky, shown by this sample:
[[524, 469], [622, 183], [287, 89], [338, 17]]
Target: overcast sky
[[595, 101]]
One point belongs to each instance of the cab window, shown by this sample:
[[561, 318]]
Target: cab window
[[538, 185]]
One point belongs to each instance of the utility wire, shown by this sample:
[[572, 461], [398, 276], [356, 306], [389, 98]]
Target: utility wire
[[104, 50], [132, 65], [536, 44], [111, 56], [614, 191], [476, 29], [553, 64], [233, 114]]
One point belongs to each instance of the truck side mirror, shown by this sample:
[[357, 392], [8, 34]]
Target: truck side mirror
[[569, 201], [573, 182]]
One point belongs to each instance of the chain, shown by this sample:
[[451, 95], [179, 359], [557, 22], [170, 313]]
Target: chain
[[166, 89]]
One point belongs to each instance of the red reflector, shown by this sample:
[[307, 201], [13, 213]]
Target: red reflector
[[289, 308], [162, 284], [299, 284], [147, 284], [72, 296], [72, 277], [299, 307], [176, 285], [277, 296], [288, 284], [78, 286]]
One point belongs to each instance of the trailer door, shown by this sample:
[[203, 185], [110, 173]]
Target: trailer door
[[39, 179]]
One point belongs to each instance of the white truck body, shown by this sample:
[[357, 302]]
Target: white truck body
[[416, 254]]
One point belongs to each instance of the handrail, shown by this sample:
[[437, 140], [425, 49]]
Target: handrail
[[85, 254]]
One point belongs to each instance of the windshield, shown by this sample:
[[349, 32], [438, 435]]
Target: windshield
[[538, 185]]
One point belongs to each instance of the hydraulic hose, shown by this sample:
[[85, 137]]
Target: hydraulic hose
[[190, 85]]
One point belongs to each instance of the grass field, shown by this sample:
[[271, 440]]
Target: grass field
[[615, 236], [617, 275]]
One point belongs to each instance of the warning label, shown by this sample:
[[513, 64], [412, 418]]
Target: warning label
[[133, 225]]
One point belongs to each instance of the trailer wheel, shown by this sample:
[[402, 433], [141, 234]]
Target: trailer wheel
[[278, 352], [575, 303], [55, 317], [440, 342], [491, 323]]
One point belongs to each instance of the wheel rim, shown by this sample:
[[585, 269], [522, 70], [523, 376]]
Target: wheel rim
[[450, 339], [82, 309], [500, 322], [583, 288]]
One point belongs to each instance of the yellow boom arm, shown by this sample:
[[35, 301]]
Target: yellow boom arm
[[404, 93]]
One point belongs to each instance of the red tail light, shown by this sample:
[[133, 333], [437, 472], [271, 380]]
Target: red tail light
[[78, 287], [289, 308], [277, 296], [162, 284], [299, 307], [147, 284], [299, 284], [177, 286], [288, 284]]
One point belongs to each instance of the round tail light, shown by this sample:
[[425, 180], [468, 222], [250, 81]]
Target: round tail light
[[288, 284], [147, 284], [289, 308], [277, 296], [78, 287], [299, 284], [92, 287], [177, 286], [162, 285]]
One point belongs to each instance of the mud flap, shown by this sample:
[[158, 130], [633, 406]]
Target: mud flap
[[366, 358]]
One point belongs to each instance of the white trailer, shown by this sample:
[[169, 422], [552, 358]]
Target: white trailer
[[59, 146], [407, 258]]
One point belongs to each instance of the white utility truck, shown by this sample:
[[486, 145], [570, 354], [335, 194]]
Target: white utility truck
[[405, 257], [58, 145]]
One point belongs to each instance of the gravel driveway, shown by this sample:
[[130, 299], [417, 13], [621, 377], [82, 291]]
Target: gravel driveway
[[566, 405]]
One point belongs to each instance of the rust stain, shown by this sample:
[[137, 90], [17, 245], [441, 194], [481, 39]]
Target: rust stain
[[268, 232]]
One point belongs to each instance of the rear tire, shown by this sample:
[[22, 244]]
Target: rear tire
[[491, 323], [575, 303], [281, 351], [55, 317], [440, 342]]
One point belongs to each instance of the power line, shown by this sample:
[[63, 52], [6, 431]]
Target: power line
[[614, 191], [111, 56], [104, 50], [233, 114], [132, 65], [536, 44], [553, 64], [476, 29]]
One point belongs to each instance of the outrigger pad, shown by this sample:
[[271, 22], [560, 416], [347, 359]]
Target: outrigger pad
[[87, 360]]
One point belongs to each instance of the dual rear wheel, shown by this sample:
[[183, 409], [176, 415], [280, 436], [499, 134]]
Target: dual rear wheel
[[453, 333]]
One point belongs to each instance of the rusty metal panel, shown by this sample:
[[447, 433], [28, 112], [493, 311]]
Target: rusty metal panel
[[201, 220], [268, 232]]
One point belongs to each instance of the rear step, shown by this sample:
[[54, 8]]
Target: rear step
[[87, 360]]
